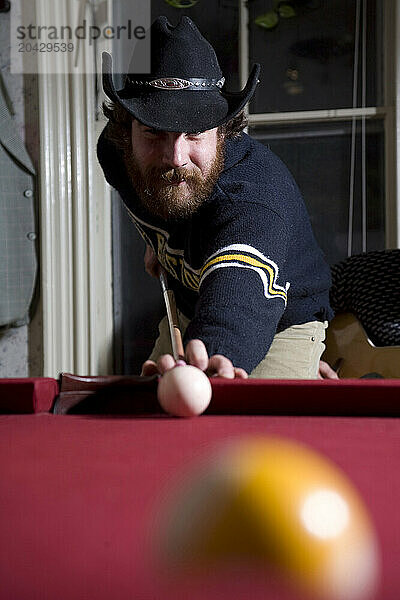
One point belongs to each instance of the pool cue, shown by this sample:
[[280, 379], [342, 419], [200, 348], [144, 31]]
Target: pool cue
[[172, 315]]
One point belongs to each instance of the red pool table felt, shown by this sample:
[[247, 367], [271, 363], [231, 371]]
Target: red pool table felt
[[79, 496]]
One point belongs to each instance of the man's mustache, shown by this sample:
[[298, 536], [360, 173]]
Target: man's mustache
[[173, 175]]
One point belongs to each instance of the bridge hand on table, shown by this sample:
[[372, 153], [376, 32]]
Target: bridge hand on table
[[196, 355]]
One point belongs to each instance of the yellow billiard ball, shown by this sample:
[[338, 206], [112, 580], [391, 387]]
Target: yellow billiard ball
[[279, 505]]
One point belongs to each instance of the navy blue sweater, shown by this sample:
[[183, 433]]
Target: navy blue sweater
[[246, 265]]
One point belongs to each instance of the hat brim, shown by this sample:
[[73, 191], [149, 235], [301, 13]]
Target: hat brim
[[179, 110]]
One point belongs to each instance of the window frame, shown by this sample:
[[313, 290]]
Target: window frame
[[389, 112]]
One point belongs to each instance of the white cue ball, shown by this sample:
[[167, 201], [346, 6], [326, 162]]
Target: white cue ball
[[184, 391]]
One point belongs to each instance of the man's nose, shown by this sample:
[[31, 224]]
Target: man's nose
[[175, 150]]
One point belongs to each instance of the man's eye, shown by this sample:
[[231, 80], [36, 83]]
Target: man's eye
[[195, 134]]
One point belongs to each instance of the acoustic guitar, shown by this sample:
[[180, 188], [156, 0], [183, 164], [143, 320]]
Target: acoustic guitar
[[352, 354]]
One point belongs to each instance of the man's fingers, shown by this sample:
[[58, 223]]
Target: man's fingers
[[196, 354], [149, 368], [240, 373], [165, 363], [220, 366], [326, 371], [216, 366]]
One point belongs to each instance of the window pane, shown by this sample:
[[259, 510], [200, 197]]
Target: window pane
[[307, 59], [318, 156]]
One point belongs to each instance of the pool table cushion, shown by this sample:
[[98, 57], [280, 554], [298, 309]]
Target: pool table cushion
[[137, 395], [27, 395]]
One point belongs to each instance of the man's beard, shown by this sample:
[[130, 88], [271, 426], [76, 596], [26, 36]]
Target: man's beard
[[163, 199]]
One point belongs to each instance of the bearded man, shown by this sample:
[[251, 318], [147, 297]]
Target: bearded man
[[219, 211]]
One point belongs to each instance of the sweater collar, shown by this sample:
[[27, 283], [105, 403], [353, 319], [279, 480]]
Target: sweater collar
[[235, 150]]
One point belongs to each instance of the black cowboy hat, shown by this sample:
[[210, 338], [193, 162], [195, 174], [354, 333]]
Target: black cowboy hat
[[185, 90]]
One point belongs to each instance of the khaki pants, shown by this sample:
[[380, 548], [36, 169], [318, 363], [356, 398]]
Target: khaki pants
[[294, 352]]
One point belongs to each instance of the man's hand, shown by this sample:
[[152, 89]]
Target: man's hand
[[196, 355], [326, 371], [151, 264]]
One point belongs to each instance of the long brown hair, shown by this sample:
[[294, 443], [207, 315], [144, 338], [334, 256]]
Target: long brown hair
[[120, 122]]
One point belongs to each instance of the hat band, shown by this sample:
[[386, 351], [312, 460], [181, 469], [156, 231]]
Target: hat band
[[175, 83]]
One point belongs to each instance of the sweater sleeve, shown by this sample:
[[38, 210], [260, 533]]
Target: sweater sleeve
[[243, 289]]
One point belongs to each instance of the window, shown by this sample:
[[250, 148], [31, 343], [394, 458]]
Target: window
[[323, 83]]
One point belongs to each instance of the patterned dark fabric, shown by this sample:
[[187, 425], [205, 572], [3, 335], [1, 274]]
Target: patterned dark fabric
[[368, 285]]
